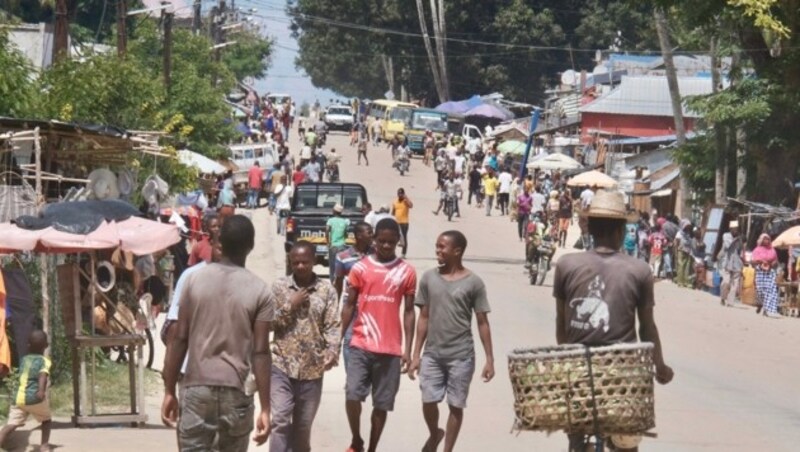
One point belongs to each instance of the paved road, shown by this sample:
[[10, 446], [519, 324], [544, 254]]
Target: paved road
[[736, 374]]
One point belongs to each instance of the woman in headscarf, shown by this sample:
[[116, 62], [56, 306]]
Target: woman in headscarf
[[765, 260]]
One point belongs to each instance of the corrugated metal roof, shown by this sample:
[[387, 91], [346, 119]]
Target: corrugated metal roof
[[647, 96], [664, 181]]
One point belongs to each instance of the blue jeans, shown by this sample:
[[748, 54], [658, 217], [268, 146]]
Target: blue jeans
[[294, 406], [212, 415], [667, 263], [252, 197]]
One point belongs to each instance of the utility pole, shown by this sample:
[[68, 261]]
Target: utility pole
[[197, 19], [122, 32], [61, 32], [432, 61], [721, 172], [675, 96], [167, 48]]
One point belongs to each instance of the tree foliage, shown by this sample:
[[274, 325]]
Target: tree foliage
[[17, 89], [515, 47]]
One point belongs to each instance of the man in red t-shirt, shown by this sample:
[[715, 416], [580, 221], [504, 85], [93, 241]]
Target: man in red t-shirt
[[381, 284], [255, 178]]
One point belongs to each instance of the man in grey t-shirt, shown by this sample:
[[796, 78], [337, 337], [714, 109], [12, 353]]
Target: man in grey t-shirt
[[600, 293], [448, 296], [225, 318]]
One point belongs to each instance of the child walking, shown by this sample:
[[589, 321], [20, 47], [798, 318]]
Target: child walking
[[30, 391]]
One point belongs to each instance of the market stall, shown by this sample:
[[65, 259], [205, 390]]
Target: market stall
[[81, 230]]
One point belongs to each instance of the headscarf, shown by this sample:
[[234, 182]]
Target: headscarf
[[764, 253]]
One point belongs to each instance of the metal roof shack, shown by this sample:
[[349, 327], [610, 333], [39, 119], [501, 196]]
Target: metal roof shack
[[640, 107]]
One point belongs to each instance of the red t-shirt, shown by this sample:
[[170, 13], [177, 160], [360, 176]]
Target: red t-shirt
[[255, 176], [298, 177], [381, 287]]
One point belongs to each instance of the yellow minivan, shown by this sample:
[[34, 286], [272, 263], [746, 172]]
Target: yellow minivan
[[393, 115]]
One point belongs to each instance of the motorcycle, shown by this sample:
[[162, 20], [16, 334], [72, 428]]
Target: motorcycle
[[402, 163], [540, 263], [449, 207], [332, 172]]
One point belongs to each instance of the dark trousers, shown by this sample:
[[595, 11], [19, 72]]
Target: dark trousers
[[474, 192], [522, 224], [404, 236], [502, 202], [294, 406]]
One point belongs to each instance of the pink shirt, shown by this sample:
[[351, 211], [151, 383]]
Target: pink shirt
[[255, 176], [381, 288]]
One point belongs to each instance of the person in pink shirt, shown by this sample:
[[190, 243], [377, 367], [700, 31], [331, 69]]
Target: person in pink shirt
[[255, 177], [382, 284]]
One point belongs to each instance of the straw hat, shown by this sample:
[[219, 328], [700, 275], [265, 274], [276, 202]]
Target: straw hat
[[338, 208], [610, 204]]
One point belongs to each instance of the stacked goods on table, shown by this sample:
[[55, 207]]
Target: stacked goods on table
[[588, 390]]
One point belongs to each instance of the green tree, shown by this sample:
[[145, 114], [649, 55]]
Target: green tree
[[17, 90], [766, 39], [250, 57]]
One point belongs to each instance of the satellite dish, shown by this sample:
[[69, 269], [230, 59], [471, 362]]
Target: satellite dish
[[600, 69], [103, 184], [126, 183], [569, 77]]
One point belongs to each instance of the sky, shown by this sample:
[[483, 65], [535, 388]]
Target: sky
[[282, 77]]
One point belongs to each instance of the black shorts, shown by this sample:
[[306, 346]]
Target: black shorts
[[376, 372]]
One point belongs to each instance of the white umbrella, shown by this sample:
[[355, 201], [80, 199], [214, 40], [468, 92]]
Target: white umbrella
[[592, 179], [555, 161], [204, 164]]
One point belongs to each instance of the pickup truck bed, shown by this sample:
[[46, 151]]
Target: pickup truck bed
[[313, 204]]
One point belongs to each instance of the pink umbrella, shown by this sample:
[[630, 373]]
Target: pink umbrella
[[136, 235]]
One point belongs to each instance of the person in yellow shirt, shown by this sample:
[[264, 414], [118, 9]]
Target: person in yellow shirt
[[490, 187], [400, 209]]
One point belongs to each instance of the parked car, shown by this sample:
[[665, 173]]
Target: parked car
[[244, 157]]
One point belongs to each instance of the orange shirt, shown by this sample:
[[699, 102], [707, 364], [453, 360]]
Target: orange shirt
[[401, 211]]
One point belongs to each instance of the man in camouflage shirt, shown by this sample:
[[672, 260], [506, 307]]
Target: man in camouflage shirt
[[306, 344]]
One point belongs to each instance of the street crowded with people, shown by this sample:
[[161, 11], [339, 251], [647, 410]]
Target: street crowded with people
[[404, 284]]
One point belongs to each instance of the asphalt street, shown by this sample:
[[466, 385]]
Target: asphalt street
[[736, 374]]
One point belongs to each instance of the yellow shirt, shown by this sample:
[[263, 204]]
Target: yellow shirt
[[490, 185], [401, 211]]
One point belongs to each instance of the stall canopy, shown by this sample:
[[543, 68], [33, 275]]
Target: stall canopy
[[592, 179], [512, 147], [79, 226], [489, 111], [555, 161], [203, 164], [789, 237]]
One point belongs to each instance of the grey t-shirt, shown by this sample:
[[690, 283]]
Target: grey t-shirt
[[222, 304], [451, 304], [602, 292]]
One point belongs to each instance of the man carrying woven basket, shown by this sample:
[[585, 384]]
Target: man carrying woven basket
[[600, 293]]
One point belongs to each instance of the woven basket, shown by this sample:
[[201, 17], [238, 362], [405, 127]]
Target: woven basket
[[553, 389]]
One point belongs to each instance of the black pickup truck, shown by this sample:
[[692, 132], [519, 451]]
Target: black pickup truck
[[312, 205]]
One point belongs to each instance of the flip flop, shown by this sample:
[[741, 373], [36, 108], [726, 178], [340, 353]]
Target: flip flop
[[439, 438]]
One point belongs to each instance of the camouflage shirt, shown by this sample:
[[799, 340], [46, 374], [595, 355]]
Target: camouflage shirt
[[304, 337]]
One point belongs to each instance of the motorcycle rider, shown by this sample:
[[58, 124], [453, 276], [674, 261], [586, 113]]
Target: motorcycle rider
[[402, 157], [332, 165], [449, 189], [534, 235], [322, 131]]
